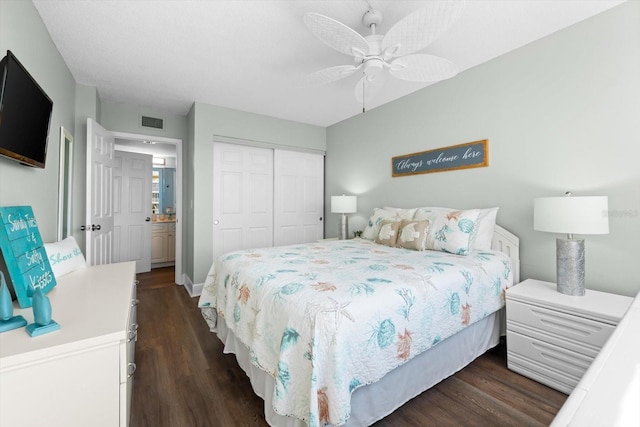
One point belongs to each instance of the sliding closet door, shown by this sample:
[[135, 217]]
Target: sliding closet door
[[242, 197], [298, 197]]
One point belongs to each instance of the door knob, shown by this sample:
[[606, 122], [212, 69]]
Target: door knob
[[216, 222], [147, 219], [95, 227]]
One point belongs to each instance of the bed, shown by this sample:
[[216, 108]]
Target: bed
[[343, 332]]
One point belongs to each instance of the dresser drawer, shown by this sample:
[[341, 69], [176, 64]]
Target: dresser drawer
[[591, 333], [559, 365]]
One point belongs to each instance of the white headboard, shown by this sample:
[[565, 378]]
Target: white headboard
[[508, 243]]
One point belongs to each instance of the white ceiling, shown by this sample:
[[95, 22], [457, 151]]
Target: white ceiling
[[248, 54]]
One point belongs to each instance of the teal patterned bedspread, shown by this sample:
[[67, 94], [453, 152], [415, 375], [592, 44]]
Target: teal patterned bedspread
[[326, 318]]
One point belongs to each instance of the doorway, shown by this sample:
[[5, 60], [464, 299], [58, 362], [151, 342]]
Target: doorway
[[166, 230]]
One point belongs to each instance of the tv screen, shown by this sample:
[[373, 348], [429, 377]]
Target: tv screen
[[25, 114]]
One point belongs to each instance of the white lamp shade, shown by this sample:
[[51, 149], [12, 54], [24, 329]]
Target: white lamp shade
[[344, 204], [571, 215]]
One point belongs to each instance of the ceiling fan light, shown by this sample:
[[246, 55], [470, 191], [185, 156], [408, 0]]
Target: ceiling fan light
[[373, 66]]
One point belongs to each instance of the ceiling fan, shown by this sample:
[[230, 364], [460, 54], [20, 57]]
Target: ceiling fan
[[393, 51]]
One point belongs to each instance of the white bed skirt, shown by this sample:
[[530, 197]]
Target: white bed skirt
[[375, 401]]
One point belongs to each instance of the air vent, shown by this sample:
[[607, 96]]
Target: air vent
[[152, 122]]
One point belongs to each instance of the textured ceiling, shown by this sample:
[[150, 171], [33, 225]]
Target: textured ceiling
[[249, 54]]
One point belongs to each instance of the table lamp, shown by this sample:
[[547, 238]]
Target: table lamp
[[344, 205], [571, 215]]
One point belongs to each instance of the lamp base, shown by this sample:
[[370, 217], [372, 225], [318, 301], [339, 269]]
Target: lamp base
[[570, 266], [344, 227]]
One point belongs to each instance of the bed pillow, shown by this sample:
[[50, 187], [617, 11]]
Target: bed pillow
[[453, 232], [483, 234], [388, 233], [412, 234], [64, 256], [430, 213], [402, 213], [380, 214]]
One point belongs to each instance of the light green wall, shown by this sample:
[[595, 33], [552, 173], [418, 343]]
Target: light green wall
[[207, 121], [560, 114], [22, 32], [126, 118]]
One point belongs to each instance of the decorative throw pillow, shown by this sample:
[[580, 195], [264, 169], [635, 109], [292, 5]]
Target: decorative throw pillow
[[64, 256], [453, 231], [380, 214], [388, 233], [413, 234], [432, 214]]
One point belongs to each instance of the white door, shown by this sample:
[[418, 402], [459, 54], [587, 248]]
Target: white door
[[298, 197], [132, 209], [242, 197], [99, 211]]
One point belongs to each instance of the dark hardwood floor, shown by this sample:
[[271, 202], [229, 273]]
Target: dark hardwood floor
[[184, 379]]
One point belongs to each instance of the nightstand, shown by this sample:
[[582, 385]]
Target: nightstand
[[553, 338]]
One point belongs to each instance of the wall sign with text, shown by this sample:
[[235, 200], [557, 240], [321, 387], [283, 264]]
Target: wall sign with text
[[461, 156], [25, 258]]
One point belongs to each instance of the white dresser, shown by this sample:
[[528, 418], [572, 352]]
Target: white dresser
[[609, 392], [553, 338], [80, 375]]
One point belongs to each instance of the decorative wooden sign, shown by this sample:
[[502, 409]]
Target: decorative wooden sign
[[24, 255], [462, 156]]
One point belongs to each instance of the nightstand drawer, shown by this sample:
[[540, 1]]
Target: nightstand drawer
[[554, 365], [591, 333]]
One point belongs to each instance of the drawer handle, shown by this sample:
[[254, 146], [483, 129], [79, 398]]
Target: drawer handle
[[132, 369]]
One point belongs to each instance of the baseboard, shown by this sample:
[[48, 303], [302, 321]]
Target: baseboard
[[197, 289], [193, 289]]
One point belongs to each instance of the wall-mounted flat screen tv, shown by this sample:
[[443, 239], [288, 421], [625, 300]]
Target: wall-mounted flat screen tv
[[25, 114]]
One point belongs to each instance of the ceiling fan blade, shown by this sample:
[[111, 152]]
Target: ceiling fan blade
[[335, 34], [420, 28], [367, 87], [328, 75], [422, 68]]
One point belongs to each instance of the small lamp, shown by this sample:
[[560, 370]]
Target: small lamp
[[344, 205], [571, 215]]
